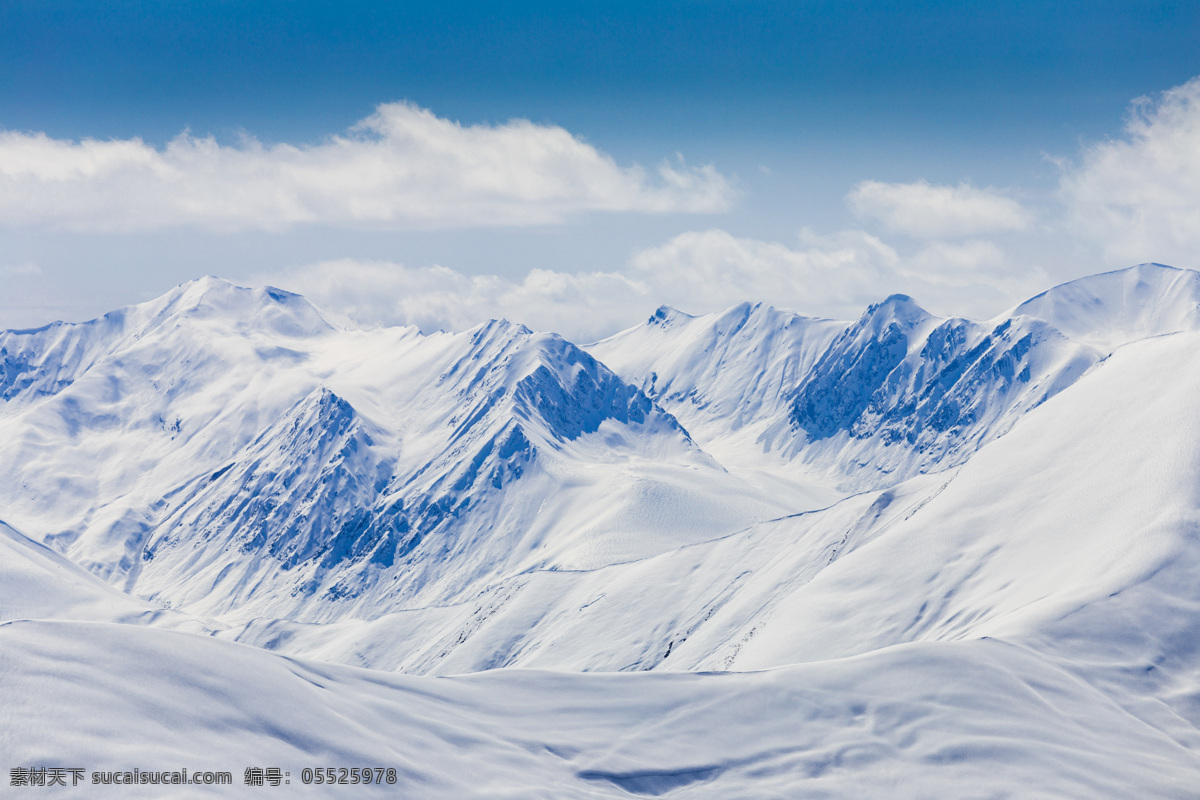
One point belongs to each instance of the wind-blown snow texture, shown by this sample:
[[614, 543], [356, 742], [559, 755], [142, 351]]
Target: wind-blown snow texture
[[959, 557]]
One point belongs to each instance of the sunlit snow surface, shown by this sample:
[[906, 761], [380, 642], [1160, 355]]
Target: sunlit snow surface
[[996, 600]]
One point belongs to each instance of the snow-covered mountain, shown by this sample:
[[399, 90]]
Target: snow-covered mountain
[[864, 404], [288, 469], [956, 558]]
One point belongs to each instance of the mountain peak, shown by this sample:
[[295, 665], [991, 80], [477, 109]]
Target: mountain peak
[[267, 307], [897, 317], [485, 331], [664, 316], [898, 308]]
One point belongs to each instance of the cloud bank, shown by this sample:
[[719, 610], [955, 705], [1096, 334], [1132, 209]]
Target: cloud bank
[[1139, 197], [927, 211], [697, 272], [581, 306], [402, 167]]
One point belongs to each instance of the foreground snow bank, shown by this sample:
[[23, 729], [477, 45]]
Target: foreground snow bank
[[973, 719]]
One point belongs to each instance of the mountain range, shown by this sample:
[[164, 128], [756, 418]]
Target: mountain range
[[751, 554]]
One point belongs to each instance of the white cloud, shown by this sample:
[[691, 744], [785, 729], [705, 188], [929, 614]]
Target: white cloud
[[402, 167], [711, 270], [697, 272], [926, 211], [957, 258], [1139, 197], [580, 306], [835, 276], [973, 278]]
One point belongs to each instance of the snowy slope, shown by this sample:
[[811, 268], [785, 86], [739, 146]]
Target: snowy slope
[[981, 719], [37, 583], [1115, 308], [1089, 501], [978, 718]]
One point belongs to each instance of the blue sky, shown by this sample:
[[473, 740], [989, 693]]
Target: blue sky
[[791, 105]]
